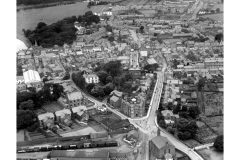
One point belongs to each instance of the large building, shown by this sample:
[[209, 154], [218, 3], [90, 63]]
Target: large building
[[91, 78], [213, 63], [134, 64], [20, 45], [32, 79], [133, 106], [74, 99], [160, 148]]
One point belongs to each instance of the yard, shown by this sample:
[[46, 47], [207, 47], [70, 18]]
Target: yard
[[92, 127], [20, 136], [52, 107], [79, 132]]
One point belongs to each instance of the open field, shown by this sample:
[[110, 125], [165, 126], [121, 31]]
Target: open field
[[216, 17], [135, 2], [79, 132], [216, 123], [210, 154], [213, 103], [204, 133]]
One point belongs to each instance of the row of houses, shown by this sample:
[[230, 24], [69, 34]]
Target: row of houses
[[65, 116]]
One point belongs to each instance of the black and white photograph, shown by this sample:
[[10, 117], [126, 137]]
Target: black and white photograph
[[118, 80]]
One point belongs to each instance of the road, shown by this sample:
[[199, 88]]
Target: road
[[196, 10], [148, 123], [179, 145]]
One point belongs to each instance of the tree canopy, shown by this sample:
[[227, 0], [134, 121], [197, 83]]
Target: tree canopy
[[79, 80], [186, 129], [27, 105], [27, 119], [32, 100], [34, 2], [60, 32], [219, 143], [219, 37]]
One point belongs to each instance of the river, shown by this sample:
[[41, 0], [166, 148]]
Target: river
[[28, 19]]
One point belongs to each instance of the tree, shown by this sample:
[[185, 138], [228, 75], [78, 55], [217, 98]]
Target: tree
[[113, 68], [184, 125], [98, 91], [25, 119], [111, 39], [102, 76], [141, 29], [176, 109], [219, 37], [171, 130], [162, 123], [194, 112], [89, 87], [108, 88], [219, 143], [19, 70], [60, 32], [184, 135], [66, 76], [88, 14], [25, 96], [128, 76], [109, 79], [151, 67], [175, 63], [183, 114], [51, 92], [201, 84], [40, 25], [79, 80], [27, 105]]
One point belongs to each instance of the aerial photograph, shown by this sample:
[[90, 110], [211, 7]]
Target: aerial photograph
[[119, 80]]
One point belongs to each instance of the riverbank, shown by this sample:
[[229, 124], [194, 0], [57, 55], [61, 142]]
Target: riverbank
[[26, 7]]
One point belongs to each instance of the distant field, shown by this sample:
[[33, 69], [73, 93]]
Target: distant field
[[216, 17], [213, 103]]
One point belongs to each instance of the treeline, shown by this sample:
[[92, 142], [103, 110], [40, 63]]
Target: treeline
[[95, 3], [60, 32], [34, 2], [29, 101]]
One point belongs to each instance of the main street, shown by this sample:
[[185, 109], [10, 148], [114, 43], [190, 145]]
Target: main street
[[148, 123]]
